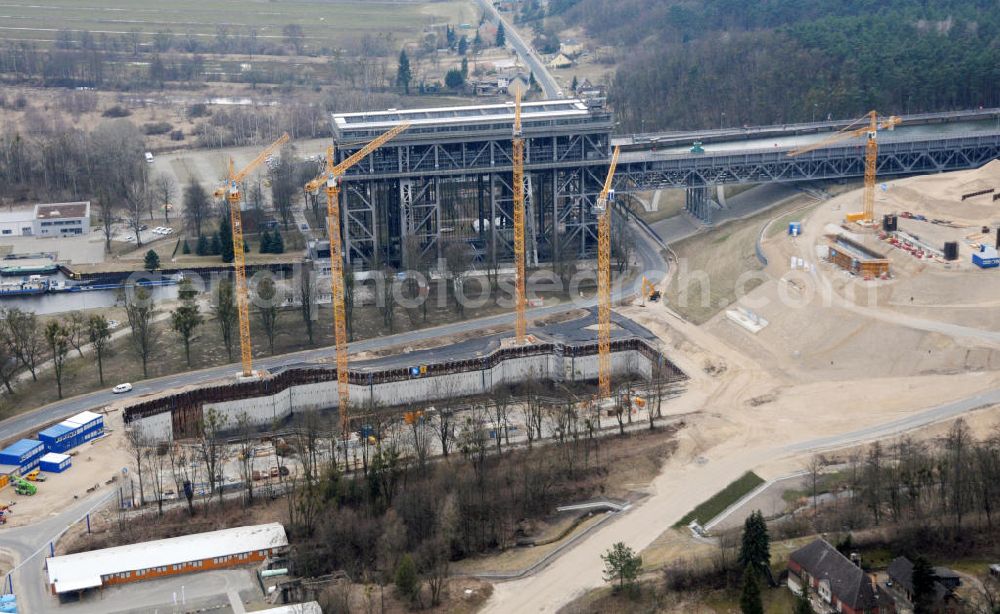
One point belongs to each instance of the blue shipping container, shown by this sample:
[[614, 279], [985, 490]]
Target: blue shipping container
[[66, 435], [54, 463], [22, 452], [57, 437]]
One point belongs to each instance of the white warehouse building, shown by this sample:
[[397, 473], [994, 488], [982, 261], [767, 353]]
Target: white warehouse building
[[62, 219], [47, 220]]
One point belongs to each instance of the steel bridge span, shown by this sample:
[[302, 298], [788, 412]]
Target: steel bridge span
[[448, 179]]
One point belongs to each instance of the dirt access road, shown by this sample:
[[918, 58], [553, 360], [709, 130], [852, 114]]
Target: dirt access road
[[776, 434], [795, 413]]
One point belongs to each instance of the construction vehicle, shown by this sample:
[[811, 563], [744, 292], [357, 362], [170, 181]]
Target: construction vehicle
[[870, 132], [649, 290], [24, 487], [520, 297], [603, 212], [331, 178], [231, 191]]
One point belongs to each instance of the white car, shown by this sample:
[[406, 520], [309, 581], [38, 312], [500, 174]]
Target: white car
[[159, 230], [120, 388]]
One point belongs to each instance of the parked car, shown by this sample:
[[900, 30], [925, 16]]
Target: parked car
[[121, 388]]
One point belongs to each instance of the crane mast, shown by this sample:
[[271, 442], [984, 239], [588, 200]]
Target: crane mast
[[604, 281], [870, 132], [231, 191], [520, 299], [330, 179], [871, 159]]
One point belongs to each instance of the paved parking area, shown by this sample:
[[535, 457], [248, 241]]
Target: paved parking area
[[187, 593]]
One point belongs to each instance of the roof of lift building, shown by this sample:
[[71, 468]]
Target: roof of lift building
[[363, 126]]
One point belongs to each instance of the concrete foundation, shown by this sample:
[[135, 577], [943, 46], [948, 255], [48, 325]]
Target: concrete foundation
[[552, 364], [565, 352]]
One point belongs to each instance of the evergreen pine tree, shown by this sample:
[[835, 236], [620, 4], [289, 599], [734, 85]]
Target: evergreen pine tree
[[407, 581], [755, 546], [404, 74], [277, 243], [501, 36], [226, 239], [750, 599], [215, 247], [152, 261], [202, 248], [923, 586], [265, 242], [185, 248]]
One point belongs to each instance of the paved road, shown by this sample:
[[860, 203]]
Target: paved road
[[30, 545], [537, 66], [649, 262]]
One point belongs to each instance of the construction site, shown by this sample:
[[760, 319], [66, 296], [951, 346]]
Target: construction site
[[872, 304]]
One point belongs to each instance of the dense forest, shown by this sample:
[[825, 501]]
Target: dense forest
[[733, 62]]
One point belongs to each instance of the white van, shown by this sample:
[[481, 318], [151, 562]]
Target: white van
[[149, 158]]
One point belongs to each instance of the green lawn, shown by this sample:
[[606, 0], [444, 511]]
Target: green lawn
[[722, 499]]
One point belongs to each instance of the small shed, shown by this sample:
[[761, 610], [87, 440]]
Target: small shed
[[986, 257], [55, 463]]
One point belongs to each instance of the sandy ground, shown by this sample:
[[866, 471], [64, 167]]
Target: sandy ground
[[839, 358], [94, 464]]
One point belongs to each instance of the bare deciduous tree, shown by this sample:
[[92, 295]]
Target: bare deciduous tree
[[212, 450], [25, 337], [140, 311], [165, 189], [57, 338], [268, 303]]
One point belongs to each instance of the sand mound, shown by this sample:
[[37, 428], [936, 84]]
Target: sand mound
[[940, 196]]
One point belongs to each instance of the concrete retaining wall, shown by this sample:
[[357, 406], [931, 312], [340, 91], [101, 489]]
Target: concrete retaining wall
[[265, 410]]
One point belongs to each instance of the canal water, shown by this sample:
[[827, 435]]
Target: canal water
[[799, 140]]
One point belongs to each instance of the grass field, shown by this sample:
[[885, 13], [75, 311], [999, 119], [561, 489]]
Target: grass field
[[722, 499], [325, 23]]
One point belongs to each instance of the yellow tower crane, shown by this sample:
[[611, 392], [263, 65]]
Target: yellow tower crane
[[870, 131], [520, 298], [231, 191], [603, 212], [331, 178]]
